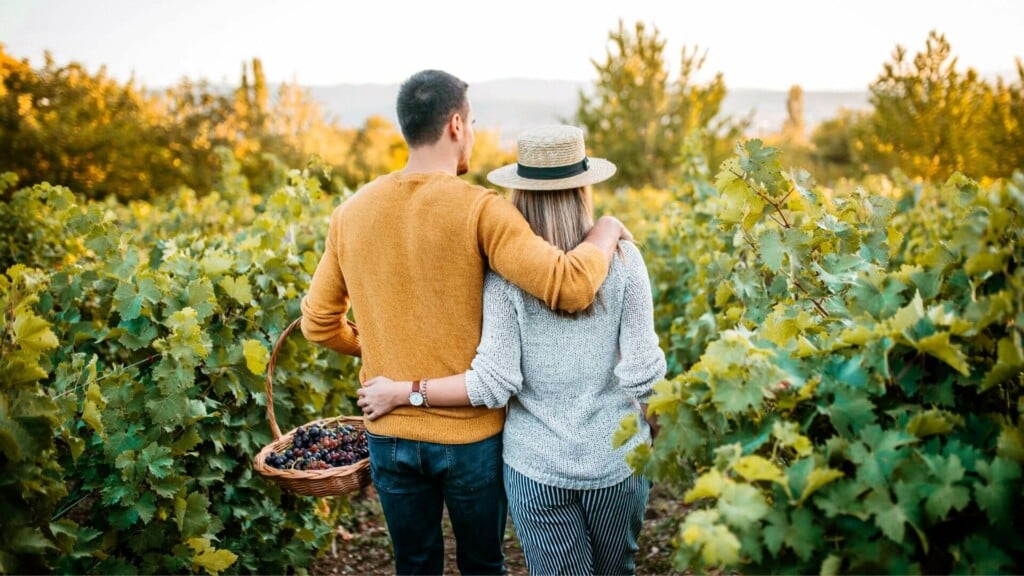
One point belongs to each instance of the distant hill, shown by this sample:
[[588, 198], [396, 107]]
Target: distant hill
[[509, 106]]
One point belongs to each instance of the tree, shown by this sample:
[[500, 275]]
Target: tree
[[928, 116], [64, 125], [794, 128], [637, 116]]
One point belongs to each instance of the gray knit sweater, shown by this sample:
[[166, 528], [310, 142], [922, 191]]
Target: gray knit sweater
[[568, 382]]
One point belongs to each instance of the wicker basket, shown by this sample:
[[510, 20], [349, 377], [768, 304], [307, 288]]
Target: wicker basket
[[329, 482]]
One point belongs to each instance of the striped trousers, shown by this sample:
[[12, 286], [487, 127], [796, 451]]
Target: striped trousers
[[566, 531]]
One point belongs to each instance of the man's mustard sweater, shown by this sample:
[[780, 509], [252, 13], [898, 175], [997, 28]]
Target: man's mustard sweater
[[409, 253]]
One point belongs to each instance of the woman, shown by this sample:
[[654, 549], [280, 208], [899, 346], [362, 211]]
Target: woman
[[568, 380]]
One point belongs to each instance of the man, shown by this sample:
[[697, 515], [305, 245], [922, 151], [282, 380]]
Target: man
[[409, 251]]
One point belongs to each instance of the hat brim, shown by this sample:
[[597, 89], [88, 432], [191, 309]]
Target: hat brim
[[598, 170]]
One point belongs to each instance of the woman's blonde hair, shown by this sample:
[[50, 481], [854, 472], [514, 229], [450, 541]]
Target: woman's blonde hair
[[562, 217]]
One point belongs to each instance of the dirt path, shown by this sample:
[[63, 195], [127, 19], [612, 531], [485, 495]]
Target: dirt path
[[362, 545]]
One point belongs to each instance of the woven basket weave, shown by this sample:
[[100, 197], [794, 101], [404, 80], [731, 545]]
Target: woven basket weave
[[330, 482]]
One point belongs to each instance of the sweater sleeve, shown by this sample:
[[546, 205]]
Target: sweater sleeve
[[642, 362], [325, 305], [495, 374], [562, 280]]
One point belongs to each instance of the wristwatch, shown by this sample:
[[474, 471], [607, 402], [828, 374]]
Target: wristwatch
[[416, 397]]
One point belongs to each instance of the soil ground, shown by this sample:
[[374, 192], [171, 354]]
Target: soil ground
[[362, 546]]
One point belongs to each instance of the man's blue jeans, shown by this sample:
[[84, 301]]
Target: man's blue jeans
[[415, 479]]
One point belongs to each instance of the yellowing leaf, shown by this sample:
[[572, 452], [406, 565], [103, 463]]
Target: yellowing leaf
[[805, 348], [256, 355], [709, 485], [721, 547], [691, 534], [780, 331], [939, 346], [1010, 363], [857, 336], [895, 241], [983, 262], [237, 288], [932, 422], [818, 478], [758, 468], [627, 429], [210, 559], [216, 263], [788, 434], [722, 294], [33, 333], [907, 316], [91, 416]]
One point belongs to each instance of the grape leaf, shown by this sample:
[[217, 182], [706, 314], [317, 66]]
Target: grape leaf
[[256, 355]]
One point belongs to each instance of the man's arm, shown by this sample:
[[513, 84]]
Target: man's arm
[[562, 280], [325, 306]]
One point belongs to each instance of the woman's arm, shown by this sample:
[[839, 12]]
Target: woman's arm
[[381, 395], [493, 378], [642, 361]]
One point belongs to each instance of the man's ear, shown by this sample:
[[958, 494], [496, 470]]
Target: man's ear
[[455, 126]]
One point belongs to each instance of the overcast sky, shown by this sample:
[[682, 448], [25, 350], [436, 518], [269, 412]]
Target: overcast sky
[[819, 44]]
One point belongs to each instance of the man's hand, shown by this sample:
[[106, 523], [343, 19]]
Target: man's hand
[[381, 395]]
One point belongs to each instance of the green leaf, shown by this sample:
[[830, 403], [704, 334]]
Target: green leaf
[[851, 410], [201, 298], [256, 356], [237, 288], [157, 460], [797, 531], [146, 507], [843, 497], [127, 303], [996, 495], [889, 517], [948, 495], [168, 410], [27, 540], [742, 504], [192, 514], [771, 250]]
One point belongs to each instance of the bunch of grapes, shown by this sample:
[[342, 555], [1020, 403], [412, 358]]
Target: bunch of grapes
[[316, 448]]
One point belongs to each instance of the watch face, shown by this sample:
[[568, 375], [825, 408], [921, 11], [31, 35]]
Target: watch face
[[416, 399]]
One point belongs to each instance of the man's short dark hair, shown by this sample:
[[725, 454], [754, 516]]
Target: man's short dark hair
[[426, 101]]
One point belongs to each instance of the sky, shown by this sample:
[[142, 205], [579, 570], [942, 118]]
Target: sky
[[769, 44]]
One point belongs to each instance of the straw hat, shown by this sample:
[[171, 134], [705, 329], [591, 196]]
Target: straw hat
[[552, 158]]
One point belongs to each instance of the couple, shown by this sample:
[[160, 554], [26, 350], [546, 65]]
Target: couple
[[465, 303]]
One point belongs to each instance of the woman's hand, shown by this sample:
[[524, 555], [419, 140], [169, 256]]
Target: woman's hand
[[381, 395]]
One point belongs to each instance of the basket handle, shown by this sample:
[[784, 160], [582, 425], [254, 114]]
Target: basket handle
[[270, 377]]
